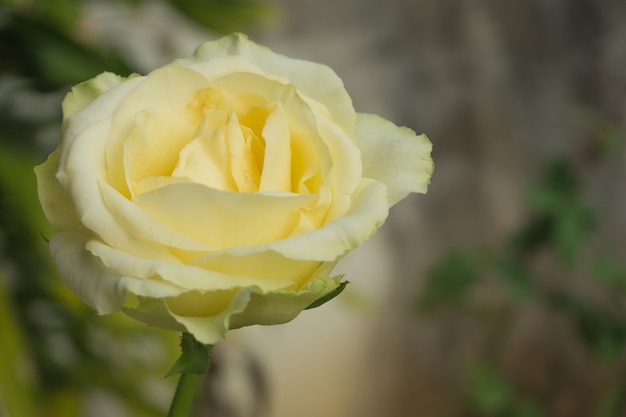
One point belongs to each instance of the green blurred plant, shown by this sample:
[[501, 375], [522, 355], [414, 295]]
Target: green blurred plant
[[562, 226], [40, 39], [491, 395]]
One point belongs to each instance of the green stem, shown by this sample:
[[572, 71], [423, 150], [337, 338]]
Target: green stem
[[192, 364], [184, 395]]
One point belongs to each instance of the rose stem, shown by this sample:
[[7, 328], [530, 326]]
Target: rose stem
[[192, 365], [184, 395]]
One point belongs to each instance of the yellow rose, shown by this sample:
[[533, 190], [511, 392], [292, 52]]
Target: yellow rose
[[220, 190]]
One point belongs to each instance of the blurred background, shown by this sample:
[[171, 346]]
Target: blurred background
[[500, 293]]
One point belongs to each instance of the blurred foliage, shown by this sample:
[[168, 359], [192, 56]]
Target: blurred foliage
[[554, 260], [41, 39], [491, 395], [224, 15], [57, 358]]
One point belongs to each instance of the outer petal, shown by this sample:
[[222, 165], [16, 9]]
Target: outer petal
[[86, 92], [316, 81], [248, 306], [86, 276], [54, 200], [183, 277], [394, 155]]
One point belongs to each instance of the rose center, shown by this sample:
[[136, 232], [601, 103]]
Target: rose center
[[227, 150]]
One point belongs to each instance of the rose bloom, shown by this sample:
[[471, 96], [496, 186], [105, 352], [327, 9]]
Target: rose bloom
[[220, 190]]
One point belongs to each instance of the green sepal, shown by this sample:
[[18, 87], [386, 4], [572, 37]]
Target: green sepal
[[329, 296], [194, 357]]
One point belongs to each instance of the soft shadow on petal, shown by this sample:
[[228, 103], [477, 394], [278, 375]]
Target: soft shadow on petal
[[315, 80], [184, 277], [275, 307], [344, 175], [153, 144], [124, 225], [276, 175], [104, 210], [224, 219], [55, 201], [264, 264], [85, 274], [394, 155], [247, 306], [331, 241], [166, 92]]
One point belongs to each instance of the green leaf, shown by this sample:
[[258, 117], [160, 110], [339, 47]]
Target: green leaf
[[564, 214], [604, 334], [611, 272], [489, 393], [515, 276], [194, 357], [51, 57], [17, 389], [225, 16], [329, 296], [451, 279]]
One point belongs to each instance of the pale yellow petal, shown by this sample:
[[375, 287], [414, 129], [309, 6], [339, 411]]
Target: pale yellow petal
[[328, 243], [245, 307], [206, 159], [345, 174], [258, 263], [394, 155], [151, 147], [154, 272], [55, 201], [224, 219], [166, 93], [86, 276], [84, 93], [276, 174], [314, 80], [123, 225]]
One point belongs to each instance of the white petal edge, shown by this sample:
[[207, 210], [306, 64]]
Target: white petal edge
[[394, 155], [85, 275], [84, 93]]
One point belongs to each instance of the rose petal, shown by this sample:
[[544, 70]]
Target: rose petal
[[316, 81], [102, 209], [345, 174], [151, 147], [276, 175], [127, 227], [56, 203], [86, 276], [305, 143], [224, 219], [267, 264], [181, 276], [87, 91], [394, 155], [248, 306], [367, 213], [164, 93], [207, 158]]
